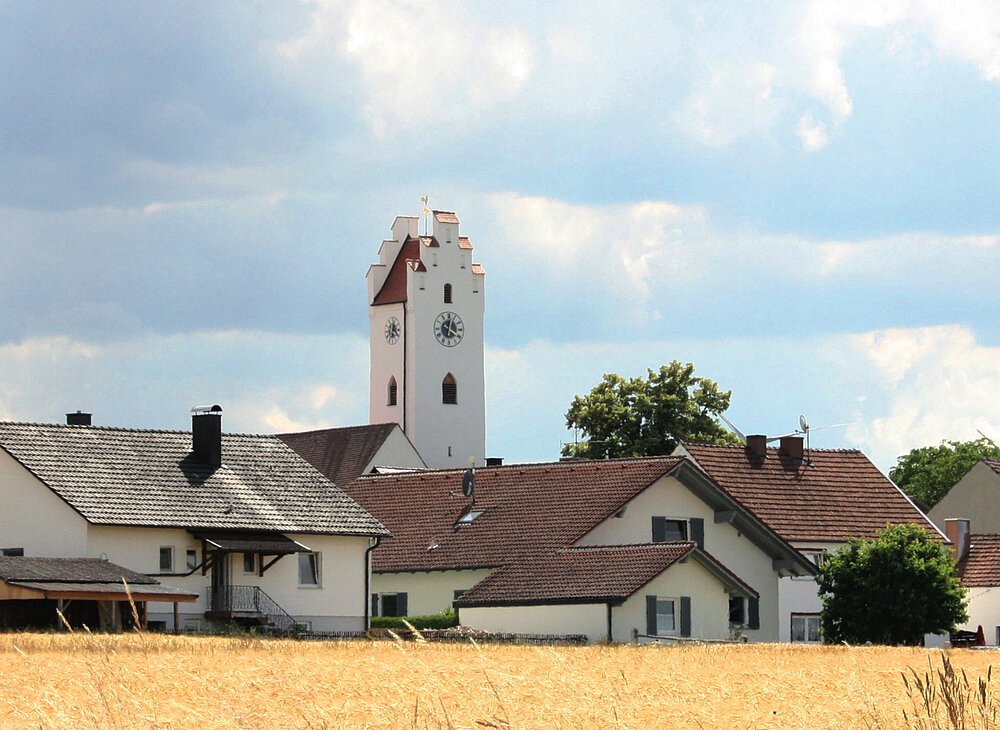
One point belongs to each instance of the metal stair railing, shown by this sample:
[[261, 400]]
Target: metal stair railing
[[251, 600]]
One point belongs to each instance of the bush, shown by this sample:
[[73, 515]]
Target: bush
[[444, 620]]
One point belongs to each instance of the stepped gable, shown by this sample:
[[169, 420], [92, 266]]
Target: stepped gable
[[150, 478], [393, 289], [833, 495], [528, 510], [340, 453]]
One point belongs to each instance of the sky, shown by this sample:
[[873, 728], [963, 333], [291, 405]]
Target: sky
[[800, 198]]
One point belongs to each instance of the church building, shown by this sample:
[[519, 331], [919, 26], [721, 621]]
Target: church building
[[426, 311]]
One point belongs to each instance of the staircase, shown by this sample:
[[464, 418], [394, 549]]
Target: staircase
[[248, 606]]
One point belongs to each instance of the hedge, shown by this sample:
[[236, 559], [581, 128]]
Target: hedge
[[444, 620]]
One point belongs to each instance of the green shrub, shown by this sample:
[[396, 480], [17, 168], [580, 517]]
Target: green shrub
[[444, 620]]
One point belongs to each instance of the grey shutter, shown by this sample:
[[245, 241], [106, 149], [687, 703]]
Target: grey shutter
[[374, 604], [651, 614], [659, 529], [698, 532], [401, 604], [685, 615], [753, 620]]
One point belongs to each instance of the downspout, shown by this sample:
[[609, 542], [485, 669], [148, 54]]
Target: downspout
[[372, 544], [609, 623]]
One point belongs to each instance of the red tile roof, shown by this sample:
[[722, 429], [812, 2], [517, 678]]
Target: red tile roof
[[529, 510], [340, 453], [836, 495], [430, 241], [445, 216], [393, 289], [464, 242], [981, 567], [994, 465], [583, 575], [478, 269]]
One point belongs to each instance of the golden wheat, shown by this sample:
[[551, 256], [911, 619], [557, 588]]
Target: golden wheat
[[134, 681]]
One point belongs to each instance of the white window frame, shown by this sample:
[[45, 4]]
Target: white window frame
[[687, 527], [381, 602], [806, 618], [170, 553], [190, 553], [815, 556], [318, 570], [676, 605], [746, 614]]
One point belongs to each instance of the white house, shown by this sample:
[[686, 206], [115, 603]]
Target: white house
[[610, 549], [240, 521], [978, 557], [815, 501], [977, 494]]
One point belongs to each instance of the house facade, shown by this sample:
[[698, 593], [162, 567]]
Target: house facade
[[815, 500], [584, 547], [975, 495], [240, 521]]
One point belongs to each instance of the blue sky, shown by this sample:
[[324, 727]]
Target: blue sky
[[802, 198]]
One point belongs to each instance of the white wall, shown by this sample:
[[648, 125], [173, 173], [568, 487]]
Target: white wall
[[669, 498], [590, 619], [984, 610], [428, 592], [396, 451], [976, 496], [386, 361], [34, 518]]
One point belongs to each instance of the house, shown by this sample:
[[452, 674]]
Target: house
[[611, 549], [978, 557], [45, 592], [344, 454], [240, 521], [977, 494], [815, 501]]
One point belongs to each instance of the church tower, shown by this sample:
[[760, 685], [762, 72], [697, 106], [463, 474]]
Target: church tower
[[425, 310]]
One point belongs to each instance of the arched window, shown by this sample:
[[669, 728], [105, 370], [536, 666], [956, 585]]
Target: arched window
[[447, 293], [449, 389], [391, 400]]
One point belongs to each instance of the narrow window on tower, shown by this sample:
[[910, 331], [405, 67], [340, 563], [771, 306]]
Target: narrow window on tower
[[391, 399], [447, 293], [449, 389]]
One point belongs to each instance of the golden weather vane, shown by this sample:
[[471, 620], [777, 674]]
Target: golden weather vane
[[425, 200]]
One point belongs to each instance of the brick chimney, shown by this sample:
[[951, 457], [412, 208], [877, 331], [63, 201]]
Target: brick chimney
[[791, 447], [206, 434], [757, 446], [78, 419], [959, 531]]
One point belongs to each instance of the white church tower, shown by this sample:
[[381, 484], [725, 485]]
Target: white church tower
[[425, 298]]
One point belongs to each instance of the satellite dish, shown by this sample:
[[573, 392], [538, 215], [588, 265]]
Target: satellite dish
[[803, 424], [732, 427], [469, 483]]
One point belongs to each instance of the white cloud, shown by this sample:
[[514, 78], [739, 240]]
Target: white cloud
[[812, 133]]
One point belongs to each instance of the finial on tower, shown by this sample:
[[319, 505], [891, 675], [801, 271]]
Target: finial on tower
[[427, 211]]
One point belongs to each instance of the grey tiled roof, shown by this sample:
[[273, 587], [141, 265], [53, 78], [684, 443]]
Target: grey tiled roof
[[340, 453], [68, 570], [149, 478]]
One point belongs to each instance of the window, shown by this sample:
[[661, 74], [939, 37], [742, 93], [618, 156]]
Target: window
[[667, 616], [737, 611], [469, 516], [666, 529], [449, 390], [665, 623], [816, 557], [389, 604], [12, 552], [166, 560], [191, 559], [309, 569], [447, 293], [458, 594], [249, 562], [806, 627], [391, 398]]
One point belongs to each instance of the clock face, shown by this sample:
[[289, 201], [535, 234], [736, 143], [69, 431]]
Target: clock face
[[449, 329], [392, 330]]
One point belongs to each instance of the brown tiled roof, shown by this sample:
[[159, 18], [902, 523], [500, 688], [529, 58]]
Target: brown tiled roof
[[994, 465], [529, 509], [579, 575], [394, 288], [430, 242], [340, 453], [836, 495], [464, 242], [147, 478], [981, 567], [445, 216], [478, 269]]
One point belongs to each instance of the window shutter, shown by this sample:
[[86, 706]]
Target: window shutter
[[659, 529], [753, 620], [401, 604], [685, 615], [374, 604], [698, 532], [651, 614]]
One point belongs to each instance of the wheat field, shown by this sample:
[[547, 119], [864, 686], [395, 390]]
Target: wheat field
[[153, 681]]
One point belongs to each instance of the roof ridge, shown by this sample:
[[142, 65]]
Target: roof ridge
[[812, 449], [542, 465], [629, 546], [127, 429]]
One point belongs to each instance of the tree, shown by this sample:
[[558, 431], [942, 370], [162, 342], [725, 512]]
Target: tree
[[891, 590], [648, 416], [926, 474]]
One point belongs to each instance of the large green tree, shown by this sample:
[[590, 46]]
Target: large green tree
[[928, 473], [647, 416], [891, 590]]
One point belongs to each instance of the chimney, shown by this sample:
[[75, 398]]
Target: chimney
[[959, 531], [791, 446], [494, 461], [206, 433], [78, 419], [757, 446]]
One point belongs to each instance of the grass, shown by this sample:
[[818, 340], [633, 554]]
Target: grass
[[152, 681]]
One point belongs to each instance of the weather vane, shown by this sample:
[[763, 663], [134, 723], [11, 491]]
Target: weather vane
[[427, 211]]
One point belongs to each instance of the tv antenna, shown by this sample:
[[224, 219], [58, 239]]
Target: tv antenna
[[805, 429], [427, 211]]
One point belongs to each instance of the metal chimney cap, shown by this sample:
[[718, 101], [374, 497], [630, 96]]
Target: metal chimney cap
[[202, 410]]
